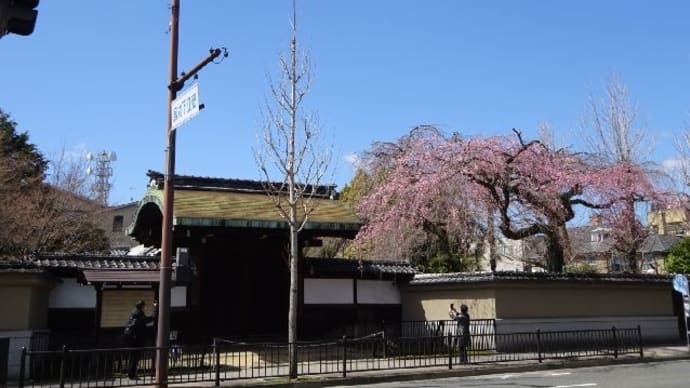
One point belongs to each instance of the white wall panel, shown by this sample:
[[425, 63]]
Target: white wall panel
[[377, 292], [654, 329], [328, 291], [70, 294], [178, 297]]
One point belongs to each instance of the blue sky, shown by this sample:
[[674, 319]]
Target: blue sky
[[93, 75]]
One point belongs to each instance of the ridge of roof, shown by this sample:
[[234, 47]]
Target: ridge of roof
[[477, 277], [192, 182], [367, 266]]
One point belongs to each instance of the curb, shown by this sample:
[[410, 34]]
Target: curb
[[439, 372]]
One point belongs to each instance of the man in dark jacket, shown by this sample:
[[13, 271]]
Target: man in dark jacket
[[136, 333], [463, 330]]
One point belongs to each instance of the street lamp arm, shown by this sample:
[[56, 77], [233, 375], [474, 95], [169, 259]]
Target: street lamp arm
[[179, 83]]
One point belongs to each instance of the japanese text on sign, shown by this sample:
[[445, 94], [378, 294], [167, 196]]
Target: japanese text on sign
[[185, 106]]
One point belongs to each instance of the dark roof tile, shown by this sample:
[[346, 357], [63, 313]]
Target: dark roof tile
[[348, 266], [94, 261], [478, 277]]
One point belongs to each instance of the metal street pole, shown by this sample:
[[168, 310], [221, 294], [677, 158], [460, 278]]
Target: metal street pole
[[165, 283], [162, 336]]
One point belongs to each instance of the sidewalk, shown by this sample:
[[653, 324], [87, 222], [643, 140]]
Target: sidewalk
[[651, 354]]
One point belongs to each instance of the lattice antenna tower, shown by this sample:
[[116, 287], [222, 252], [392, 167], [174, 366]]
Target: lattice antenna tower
[[102, 172]]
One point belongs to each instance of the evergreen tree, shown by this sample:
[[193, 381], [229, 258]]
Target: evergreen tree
[[678, 259]]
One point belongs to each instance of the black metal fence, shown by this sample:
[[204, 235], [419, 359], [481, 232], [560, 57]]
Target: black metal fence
[[227, 360], [482, 330]]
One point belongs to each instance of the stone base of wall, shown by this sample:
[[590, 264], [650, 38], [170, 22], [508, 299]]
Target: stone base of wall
[[657, 329]]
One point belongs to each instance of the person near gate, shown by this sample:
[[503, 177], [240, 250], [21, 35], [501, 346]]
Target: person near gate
[[136, 333], [462, 337]]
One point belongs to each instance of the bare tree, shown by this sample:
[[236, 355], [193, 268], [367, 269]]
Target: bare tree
[[45, 214], [615, 134], [682, 144], [290, 149], [69, 172], [616, 137], [44, 217]]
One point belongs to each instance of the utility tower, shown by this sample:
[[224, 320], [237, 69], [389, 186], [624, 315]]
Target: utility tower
[[101, 173]]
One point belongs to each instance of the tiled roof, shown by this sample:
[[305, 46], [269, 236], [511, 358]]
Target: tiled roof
[[206, 201], [94, 261], [479, 277], [249, 210], [347, 266], [243, 185], [192, 204], [17, 266], [656, 243]]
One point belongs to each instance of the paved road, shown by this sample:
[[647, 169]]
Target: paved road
[[671, 374]]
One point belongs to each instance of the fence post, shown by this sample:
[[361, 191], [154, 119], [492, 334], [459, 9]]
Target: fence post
[[62, 366], [639, 340], [385, 342], [344, 356], [539, 355], [22, 367], [450, 351], [615, 342], [216, 367]]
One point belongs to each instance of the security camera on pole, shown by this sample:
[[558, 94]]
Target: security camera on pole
[[179, 111]]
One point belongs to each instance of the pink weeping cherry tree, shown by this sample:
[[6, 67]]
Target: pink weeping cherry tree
[[413, 210], [527, 187]]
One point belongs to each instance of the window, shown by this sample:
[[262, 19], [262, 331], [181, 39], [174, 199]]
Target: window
[[118, 222]]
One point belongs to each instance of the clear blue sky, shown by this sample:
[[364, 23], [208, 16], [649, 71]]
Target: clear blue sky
[[93, 75]]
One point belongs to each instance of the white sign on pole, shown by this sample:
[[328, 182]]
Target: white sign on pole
[[185, 106], [680, 284]]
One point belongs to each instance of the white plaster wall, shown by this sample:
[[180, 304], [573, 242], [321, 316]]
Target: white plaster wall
[[70, 294], [654, 329], [178, 297], [328, 291], [377, 292]]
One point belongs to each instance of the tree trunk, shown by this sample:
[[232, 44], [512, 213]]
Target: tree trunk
[[294, 288], [633, 238], [554, 253], [491, 240]]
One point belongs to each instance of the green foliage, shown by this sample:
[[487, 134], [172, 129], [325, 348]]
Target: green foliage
[[15, 145], [441, 263], [580, 268], [356, 188], [678, 259]]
